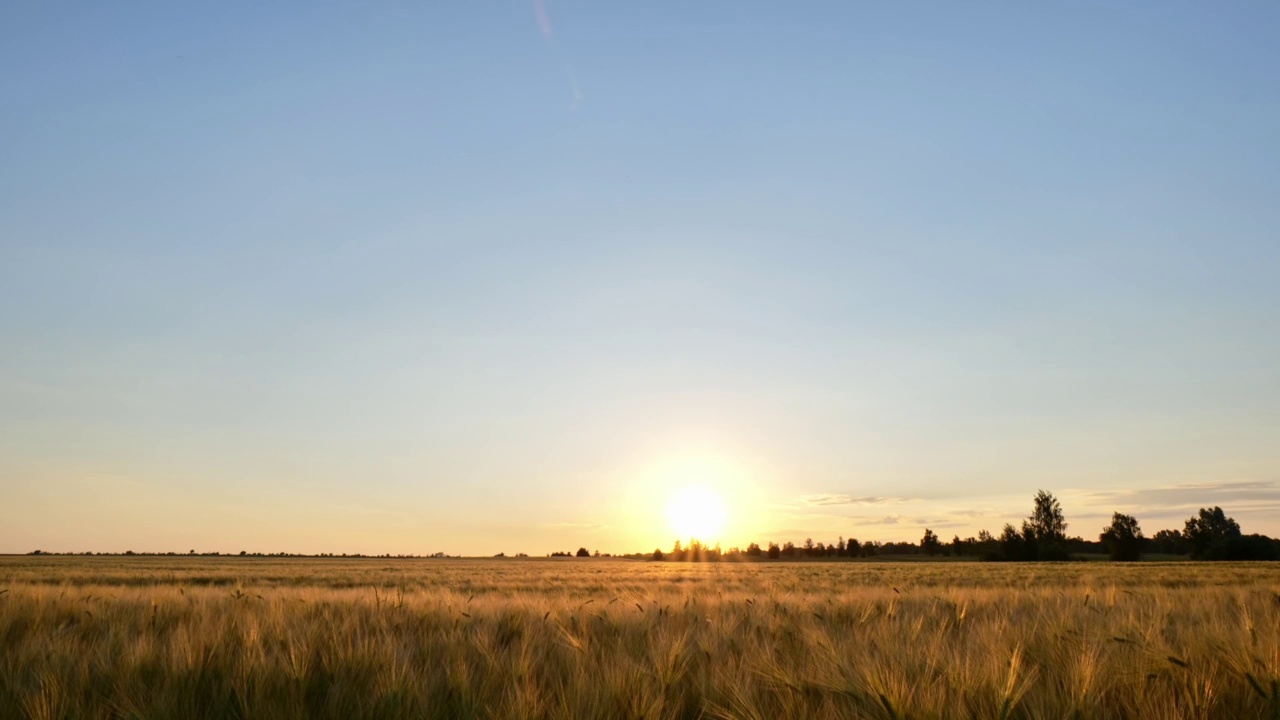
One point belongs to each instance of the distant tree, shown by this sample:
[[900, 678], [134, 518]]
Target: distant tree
[[1253, 547], [1209, 534], [583, 552], [930, 543], [697, 551], [774, 551], [853, 548], [1168, 542], [657, 554], [753, 550], [967, 546], [1046, 522], [789, 549], [808, 546], [1123, 538], [1013, 545], [1043, 535]]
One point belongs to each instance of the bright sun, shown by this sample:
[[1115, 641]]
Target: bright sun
[[696, 511]]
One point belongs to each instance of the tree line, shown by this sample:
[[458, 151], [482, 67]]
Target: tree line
[[1208, 535]]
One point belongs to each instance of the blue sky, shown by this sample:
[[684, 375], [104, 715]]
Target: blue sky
[[417, 277]]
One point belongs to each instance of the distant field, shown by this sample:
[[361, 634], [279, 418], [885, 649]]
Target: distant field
[[298, 638]]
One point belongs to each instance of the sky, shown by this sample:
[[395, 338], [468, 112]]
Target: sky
[[504, 277]]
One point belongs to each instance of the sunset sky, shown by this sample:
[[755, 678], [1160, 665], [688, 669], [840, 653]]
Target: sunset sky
[[506, 276]]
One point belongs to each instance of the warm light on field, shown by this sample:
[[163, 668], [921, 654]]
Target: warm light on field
[[695, 511]]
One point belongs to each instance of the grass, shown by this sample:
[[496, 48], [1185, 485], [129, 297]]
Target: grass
[[269, 638]]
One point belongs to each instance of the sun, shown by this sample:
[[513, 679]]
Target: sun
[[696, 511]]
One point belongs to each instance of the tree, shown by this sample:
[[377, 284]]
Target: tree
[[1046, 523], [697, 551], [774, 551], [1013, 544], [930, 543], [1043, 535], [583, 552], [753, 550], [1210, 534], [808, 546], [853, 548], [1253, 547], [657, 554], [1168, 542], [1123, 537]]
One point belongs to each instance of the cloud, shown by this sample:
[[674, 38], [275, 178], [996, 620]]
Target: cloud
[[885, 520], [543, 17], [850, 500], [938, 523], [1193, 495]]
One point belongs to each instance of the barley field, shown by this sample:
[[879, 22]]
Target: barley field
[[148, 637]]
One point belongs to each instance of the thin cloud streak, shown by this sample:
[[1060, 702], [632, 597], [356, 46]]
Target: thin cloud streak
[[1192, 495], [543, 18], [850, 500]]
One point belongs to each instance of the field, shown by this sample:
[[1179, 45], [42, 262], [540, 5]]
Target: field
[[371, 638]]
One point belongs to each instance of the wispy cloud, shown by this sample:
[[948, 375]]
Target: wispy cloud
[[850, 500], [543, 18], [1250, 492]]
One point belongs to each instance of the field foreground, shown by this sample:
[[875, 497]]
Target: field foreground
[[268, 638]]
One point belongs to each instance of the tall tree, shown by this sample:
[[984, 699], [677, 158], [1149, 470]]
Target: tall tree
[[930, 543], [1123, 537], [1210, 534], [1047, 525]]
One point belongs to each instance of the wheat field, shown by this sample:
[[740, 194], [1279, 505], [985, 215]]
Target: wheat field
[[148, 637]]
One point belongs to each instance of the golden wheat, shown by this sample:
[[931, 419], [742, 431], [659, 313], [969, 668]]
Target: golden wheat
[[400, 638]]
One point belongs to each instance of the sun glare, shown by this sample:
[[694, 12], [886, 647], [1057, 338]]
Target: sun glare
[[696, 511]]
